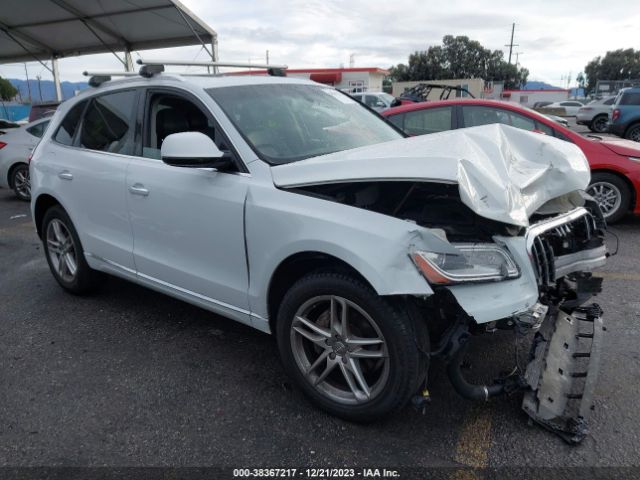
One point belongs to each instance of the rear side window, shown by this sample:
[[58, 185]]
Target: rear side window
[[475, 116], [69, 125], [609, 102], [520, 121], [38, 130], [431, 120], [630, 98], [109, 123]]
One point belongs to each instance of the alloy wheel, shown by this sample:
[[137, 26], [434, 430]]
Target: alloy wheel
[[608, 197], [600, 124], [22, 183], [340, 350], [61, 250]]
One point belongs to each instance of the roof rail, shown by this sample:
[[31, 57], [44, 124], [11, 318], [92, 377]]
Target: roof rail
[[273, 70], [98, 78]]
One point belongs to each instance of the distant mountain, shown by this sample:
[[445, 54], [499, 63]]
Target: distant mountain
[[48, 89], [539, 86]]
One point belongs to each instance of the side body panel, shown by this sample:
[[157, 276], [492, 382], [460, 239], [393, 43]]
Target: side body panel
[[91, 186], [280, 224]]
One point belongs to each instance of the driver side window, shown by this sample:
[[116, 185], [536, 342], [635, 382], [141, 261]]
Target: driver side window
[[167, 114]]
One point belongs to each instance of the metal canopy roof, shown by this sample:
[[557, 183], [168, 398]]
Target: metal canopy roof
[[45, 29]]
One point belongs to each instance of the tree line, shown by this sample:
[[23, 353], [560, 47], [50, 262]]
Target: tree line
[[460, 57]]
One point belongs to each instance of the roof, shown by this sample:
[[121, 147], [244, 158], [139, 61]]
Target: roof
[[204, 82], [42, 29]]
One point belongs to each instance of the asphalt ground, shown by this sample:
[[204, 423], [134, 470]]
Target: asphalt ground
[[128, 377]]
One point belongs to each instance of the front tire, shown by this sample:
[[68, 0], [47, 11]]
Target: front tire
[[612, 195], [20, 182], [65, 255], [352, 352]]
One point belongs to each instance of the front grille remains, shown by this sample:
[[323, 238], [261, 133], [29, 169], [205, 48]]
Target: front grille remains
[[559, 237]]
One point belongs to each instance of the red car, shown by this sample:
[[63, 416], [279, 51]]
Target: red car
[[615, 163]]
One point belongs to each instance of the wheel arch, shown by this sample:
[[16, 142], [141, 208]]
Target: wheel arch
[[297, 265], [43, 203], [625, 179]]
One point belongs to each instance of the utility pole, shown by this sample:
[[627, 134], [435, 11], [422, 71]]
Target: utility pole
[[28, 84], [352, 60], [267, 57], [511, 44]]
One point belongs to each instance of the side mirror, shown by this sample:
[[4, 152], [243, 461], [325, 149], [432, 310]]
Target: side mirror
[[193, 150]]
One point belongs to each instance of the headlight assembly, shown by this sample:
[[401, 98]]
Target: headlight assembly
[[476, 262]]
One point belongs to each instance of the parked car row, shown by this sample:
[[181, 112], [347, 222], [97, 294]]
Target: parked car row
[[615, 164], [15, 148]]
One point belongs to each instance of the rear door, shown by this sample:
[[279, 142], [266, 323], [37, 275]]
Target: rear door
[[188, 223], [89, 154]]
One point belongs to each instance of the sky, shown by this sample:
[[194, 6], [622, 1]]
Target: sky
[[556, 38]]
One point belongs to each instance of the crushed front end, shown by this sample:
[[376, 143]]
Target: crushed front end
[[549, 300]]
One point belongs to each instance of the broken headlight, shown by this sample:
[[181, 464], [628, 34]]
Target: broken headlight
[[476, 262]]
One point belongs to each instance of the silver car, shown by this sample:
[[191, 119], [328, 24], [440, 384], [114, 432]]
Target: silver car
[[287, 206], [15, 148], [595, 114]]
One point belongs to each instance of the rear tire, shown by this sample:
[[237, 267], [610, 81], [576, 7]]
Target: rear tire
[[361, 372], [599, 124], [20, 182], [65, 255], [612, 195]]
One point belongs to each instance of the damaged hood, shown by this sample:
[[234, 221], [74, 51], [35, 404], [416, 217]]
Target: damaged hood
[[503, 173]]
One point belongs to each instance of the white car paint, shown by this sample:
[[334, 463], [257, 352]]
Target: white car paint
[[215, 239], [19, 145]]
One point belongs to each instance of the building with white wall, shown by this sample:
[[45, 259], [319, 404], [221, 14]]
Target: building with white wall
[[529, 98], [352, 80]]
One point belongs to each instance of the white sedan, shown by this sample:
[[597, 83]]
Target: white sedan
[[571, 107], [15, 147]]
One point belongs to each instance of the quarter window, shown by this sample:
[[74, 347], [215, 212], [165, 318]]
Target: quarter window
[[109, 123], [38, 130], [431, 120], [67, 129]]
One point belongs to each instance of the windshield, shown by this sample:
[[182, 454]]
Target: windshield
[[288, 122]]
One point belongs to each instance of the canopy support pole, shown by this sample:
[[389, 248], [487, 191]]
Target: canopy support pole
[[56, 78], [128, 61]]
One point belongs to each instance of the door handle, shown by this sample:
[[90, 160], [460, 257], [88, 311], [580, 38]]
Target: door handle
[[65, 175], [138, 189]]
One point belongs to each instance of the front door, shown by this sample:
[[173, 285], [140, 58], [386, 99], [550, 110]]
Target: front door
[[187, 223]]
